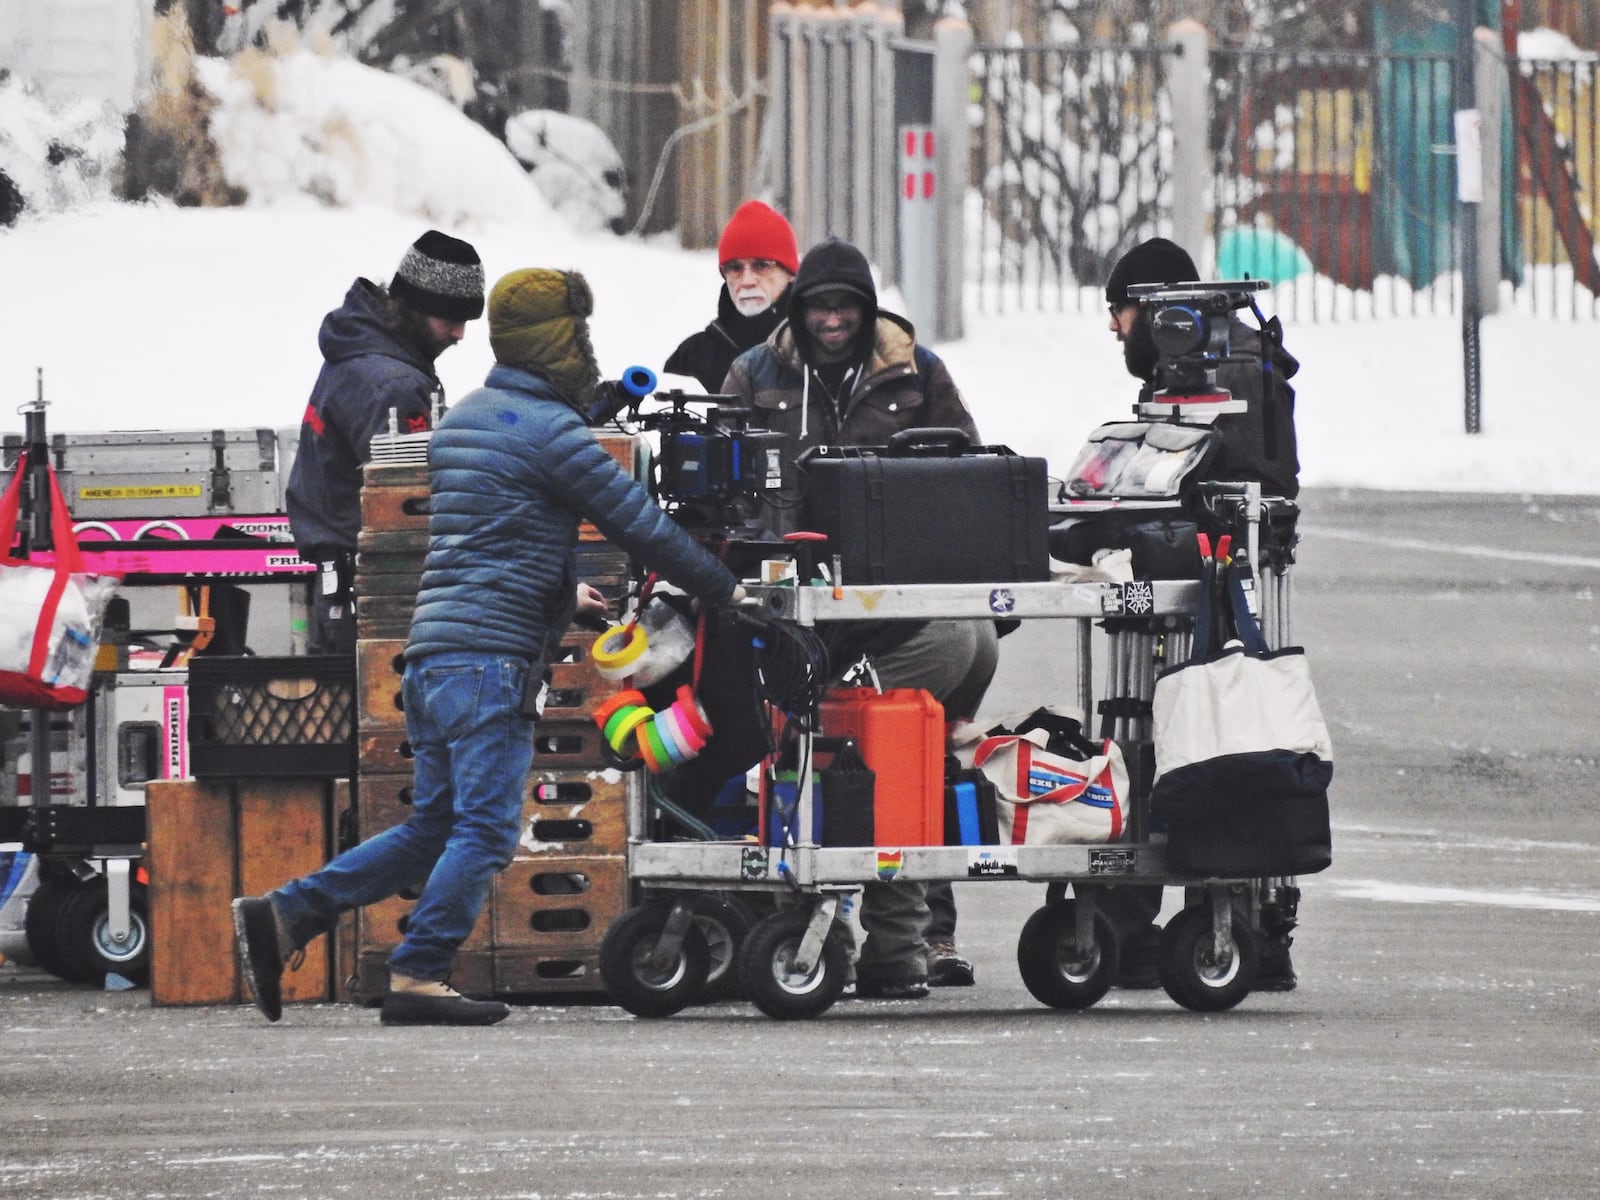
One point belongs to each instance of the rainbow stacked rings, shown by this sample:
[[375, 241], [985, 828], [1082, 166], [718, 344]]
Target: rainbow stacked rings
[[618, 650], [661, 740]]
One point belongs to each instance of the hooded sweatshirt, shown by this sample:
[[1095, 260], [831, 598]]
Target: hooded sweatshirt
[[368, 369]]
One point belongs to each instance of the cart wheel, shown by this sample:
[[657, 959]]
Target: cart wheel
[[724, 923], [767, 974], [88, 950], [1191, 970], [1052, 966], [644, 988], [43, 915]]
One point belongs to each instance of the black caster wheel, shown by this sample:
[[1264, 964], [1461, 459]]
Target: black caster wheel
[[767, 972], [1055, 969], [724, 923], [633, 976], [1192, 970], [43, 915], [89, 951]]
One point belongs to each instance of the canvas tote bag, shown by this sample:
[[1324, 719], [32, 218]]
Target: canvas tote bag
[[49, 614]]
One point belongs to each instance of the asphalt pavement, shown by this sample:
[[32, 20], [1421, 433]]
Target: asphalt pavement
[[1444, 1040]]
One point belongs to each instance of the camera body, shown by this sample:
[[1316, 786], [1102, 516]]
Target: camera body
[[1189, 325], [713, 471]]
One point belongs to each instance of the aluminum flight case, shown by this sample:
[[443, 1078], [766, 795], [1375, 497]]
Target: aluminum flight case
[[160, 473]]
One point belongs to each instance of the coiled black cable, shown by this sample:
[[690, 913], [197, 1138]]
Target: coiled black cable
[[792, 667]]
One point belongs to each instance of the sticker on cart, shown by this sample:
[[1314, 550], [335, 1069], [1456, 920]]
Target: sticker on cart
[[991, 862], [752, 863], [1111, 862], [1002, 601], [1138, 598], [889, 863]]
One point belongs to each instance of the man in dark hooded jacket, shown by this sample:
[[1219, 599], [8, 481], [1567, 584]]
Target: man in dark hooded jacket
[[840, 371], [378, 351], [1257, 446]]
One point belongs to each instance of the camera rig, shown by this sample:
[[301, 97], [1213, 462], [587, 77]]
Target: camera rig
[[1190, 326], [713, 471]]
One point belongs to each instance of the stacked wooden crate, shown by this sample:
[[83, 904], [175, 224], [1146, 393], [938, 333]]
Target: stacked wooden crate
[[548, 910]]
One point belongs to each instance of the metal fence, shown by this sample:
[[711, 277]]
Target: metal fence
[[1071, 165], [1335, 177], [1333, 174], [1549, 246]]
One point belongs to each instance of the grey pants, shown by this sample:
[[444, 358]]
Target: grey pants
[[954, 661]]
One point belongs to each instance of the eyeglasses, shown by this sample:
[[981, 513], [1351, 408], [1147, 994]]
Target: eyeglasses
[[1116, 310], [836, 308], [755, 266]]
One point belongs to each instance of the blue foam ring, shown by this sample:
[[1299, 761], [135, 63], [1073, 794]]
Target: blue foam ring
[[638, 381]]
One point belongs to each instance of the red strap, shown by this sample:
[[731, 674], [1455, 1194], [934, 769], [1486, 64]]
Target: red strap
[[63, 541], [11, 504], [699, 649], [68, 558]]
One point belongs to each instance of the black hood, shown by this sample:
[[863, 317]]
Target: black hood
[[364, 324], [834, 265]]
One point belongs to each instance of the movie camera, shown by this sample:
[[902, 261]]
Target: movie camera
[[1189, 326], [712, 470]]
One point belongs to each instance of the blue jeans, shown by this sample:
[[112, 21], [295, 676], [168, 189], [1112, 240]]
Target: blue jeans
[[472, 751]]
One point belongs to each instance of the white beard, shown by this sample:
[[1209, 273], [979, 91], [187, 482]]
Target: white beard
[[751, 305]]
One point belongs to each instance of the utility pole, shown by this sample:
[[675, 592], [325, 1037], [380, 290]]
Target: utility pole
[[1467, 221]]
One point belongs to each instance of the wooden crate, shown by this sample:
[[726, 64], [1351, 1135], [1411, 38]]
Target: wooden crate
[[574, 812], [380, 668], [472, 974], [563, 812], [211, 841]]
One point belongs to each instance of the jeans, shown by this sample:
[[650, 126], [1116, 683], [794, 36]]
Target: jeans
[[473, 749]]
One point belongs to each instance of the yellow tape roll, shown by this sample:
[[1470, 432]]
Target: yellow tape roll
[[618, 649]]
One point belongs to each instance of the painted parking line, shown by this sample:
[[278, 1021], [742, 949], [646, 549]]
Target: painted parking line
[[1413, 893], [1498, 553]]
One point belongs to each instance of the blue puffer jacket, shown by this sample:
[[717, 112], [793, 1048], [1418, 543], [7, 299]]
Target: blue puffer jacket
[[512, 469]]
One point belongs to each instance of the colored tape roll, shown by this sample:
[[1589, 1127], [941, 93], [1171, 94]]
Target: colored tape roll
[[652, 751], [671, 740], [611, 704], [692, 712], [616, 650], [692, 741], [625, 724]]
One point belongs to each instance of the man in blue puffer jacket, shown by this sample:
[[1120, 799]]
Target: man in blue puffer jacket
[[512, 470]]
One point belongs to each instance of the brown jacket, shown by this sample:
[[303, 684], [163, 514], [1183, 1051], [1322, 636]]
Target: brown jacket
[[903, 386]]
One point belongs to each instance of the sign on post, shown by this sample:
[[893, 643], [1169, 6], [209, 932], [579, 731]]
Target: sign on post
[[919, 226]]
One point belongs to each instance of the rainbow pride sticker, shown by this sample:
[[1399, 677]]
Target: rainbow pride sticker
[[889, 863]]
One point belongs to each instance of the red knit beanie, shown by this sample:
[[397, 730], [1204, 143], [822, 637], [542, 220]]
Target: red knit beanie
[[757, 230]]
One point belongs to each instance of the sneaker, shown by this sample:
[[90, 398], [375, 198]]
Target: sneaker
[[1138, 959], [258, 941], [437, 1003], [908, 988], [947, 968]]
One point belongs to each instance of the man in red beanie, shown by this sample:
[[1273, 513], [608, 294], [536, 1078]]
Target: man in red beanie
[[757, 256]]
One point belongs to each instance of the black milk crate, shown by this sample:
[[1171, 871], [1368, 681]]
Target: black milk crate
[[272, 716]]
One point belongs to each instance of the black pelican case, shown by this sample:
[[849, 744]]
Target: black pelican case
[[929, 509]]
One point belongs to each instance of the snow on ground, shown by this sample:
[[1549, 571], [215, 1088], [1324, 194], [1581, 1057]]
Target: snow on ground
[[149, 316]]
